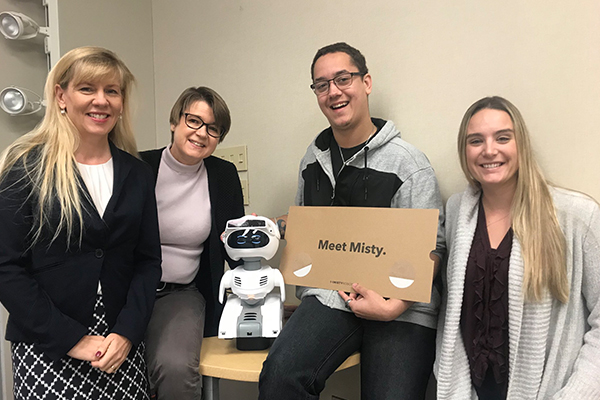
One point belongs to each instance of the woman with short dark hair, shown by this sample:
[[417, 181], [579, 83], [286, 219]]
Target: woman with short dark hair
[[196, 194]]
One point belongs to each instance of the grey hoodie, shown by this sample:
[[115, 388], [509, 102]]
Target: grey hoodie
[[406, 180]]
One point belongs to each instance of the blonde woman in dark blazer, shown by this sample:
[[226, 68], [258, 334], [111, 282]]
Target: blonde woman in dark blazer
[[79, 244]]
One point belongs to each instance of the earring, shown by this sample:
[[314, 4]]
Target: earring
[[62, 111], [121, 116]]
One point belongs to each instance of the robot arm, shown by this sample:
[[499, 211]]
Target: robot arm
[[225, 284], [278, 281]]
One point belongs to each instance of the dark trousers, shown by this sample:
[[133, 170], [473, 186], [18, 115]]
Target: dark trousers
[[396, 357], [173, 343]]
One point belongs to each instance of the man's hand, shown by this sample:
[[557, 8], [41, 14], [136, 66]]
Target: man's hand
[[112, 352], [368, 304], [281, 223], [436, 263]]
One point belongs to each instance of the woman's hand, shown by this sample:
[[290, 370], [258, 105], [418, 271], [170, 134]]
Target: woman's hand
[[368, 304], [111, 353], [86, 348]]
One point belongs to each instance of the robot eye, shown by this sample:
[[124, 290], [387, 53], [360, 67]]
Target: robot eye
[[256, 239], [241, 240]]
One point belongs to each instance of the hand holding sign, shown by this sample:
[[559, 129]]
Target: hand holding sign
[[368, 304], [385, 249]]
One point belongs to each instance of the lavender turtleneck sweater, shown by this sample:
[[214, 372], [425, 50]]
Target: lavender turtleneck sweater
[[184, 220]]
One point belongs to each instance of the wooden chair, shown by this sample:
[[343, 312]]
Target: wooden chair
[[219, 359]]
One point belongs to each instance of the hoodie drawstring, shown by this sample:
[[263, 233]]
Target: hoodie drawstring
[[366, 174]]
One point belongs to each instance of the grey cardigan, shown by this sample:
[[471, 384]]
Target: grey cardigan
[[554, 348]]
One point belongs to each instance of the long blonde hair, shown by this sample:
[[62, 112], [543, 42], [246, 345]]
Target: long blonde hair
[[534, 220], [46, 154]]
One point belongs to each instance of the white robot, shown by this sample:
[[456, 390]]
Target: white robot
[[253, 315]]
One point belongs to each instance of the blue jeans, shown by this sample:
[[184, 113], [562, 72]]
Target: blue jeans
[[396, 357]]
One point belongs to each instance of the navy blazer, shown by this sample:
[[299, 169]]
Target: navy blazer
[[226, 202], [50, 288]]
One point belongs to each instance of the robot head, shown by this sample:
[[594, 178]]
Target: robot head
[[251, 236]]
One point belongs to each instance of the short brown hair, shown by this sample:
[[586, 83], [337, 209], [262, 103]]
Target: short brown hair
[[341, 47], [213, 99]]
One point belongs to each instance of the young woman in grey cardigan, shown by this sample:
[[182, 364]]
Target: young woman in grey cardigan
[[520, 315]]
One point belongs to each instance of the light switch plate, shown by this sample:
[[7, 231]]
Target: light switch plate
[[244, 183], [238, 155]]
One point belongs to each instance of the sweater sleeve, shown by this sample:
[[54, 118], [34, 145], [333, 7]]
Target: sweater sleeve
[[583, 382], [300, 191], [236, 209], [421, 190]]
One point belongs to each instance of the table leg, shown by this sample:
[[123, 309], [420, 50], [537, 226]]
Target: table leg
[[210, 388]]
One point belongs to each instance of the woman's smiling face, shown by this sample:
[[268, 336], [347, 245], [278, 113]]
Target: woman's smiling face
[[491, 150], [93, 107], [190, 146]]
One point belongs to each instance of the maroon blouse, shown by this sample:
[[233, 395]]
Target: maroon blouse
[[484, 317]]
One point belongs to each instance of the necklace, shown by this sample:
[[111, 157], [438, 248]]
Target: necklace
[[361, 146], [341, 155], [498, 220]]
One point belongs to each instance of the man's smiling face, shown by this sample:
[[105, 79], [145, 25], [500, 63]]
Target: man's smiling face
[[344, 109]]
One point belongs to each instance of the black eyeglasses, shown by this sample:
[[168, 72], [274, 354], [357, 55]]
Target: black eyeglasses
[[195, 122], [342, 81]]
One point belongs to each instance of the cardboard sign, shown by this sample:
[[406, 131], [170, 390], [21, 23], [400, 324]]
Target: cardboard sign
[[384, 249]]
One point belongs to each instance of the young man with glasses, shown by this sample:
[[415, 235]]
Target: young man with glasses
[[357, 161]]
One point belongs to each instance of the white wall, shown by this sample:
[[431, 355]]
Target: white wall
[[23, 64], [122, 26], [5, 361]]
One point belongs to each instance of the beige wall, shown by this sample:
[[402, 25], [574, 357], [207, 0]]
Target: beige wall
[[429, 60], [124, 27]]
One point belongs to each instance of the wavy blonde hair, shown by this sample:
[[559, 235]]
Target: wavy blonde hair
[[46, 154], [534, 219]]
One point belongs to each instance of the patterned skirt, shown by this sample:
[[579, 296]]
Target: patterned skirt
[[37, 377]]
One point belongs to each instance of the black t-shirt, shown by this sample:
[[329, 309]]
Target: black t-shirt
[[340, 154]]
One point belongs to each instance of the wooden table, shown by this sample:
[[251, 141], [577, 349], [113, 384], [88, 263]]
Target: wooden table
[[220, 359]]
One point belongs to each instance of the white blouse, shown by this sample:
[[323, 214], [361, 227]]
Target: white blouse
[[99, 183]]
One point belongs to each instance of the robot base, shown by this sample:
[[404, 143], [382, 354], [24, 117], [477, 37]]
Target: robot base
[[237, 322], [256, 343]]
